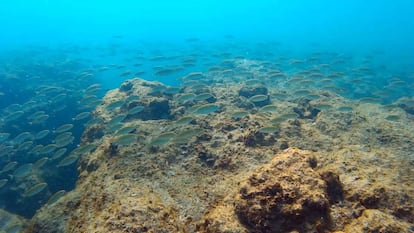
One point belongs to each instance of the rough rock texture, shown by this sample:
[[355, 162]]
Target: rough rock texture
[[285, 194], [123, 208], [372, 221], [55, 218], [226, 176]]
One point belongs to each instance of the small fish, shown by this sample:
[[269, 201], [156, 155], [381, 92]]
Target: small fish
[[194, 75], [204, 96], [135, 110], [125, 139], [67, 161], [207, 108], [87, 99], [13, 116], [125, 73], [63, 136], [312, 96], [117, 119], [172, 90], [64, 142], [186, 97], [94, 88], [103, 68], [55, 197], [185, 136], [125, 130], [40, 119], [85, 75], [3, 182], [323, 106], [280, 96], [8, 167], [393, 117], [94, 121], [114, 105], [258, 98], [283, 117], [59, 153], [82, 116], [113, 128], [64, 128], [25, 146], [184, 120], [39, 163], [158, 89], [268, 108], [162, 139], [84, 149], [167, 71], [301, 92], [140, 72], [36, 114], [23, 137], [132, 98], [41, 134], [239, 115], [35, 189], [49, 149], [36, 150], [23, 170], [6, 150], [158, 58], [59, 98], [268, 129]]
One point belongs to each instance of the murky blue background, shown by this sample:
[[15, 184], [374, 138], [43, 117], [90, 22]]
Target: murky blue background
[[355, 24]]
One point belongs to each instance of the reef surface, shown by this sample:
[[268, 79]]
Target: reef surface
[[228, 155]]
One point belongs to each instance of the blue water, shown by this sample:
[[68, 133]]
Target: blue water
[[58, 40], [346, 26]]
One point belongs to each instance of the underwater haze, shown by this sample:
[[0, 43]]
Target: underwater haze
[[170, 87], [383, 24], [346, 26]]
